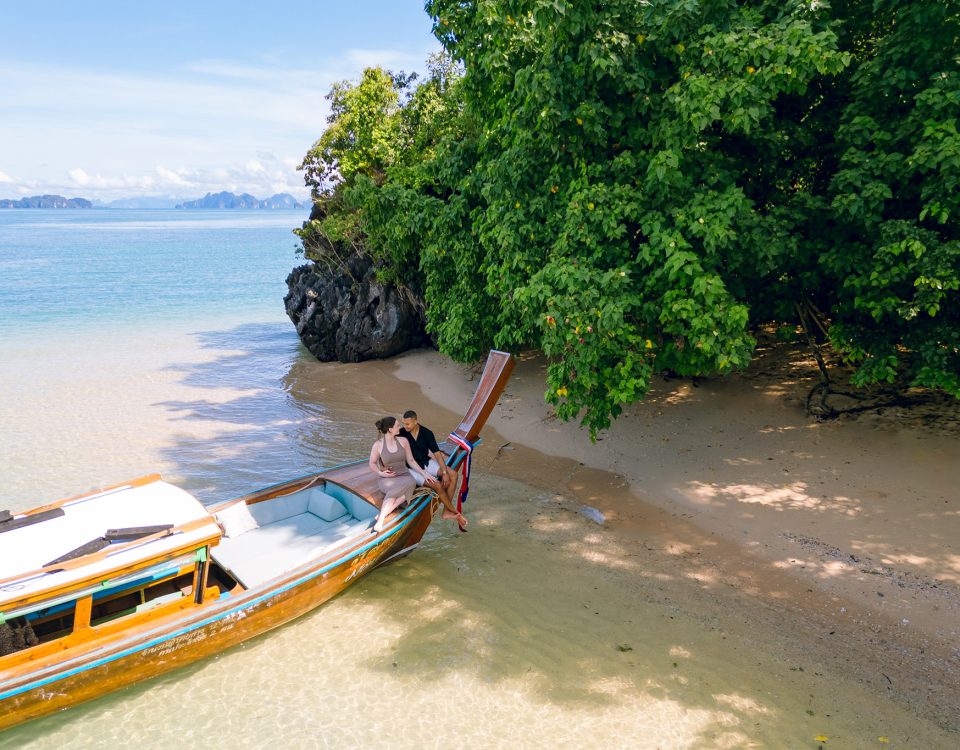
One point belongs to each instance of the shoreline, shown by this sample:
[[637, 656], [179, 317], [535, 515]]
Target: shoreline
[[819, 537]]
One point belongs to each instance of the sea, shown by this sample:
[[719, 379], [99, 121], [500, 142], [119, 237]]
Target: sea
[[142, 341], [134, 342]]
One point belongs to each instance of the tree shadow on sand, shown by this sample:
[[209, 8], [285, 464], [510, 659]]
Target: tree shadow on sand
[[258, 427], [535, 599]]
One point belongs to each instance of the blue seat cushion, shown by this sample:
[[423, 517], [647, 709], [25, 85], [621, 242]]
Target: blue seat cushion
[[325, 506]]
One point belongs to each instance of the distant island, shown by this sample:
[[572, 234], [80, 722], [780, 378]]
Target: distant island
[[227, 200], [216, 201], [46, 201]]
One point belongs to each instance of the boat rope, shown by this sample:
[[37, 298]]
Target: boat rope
[[465, 467]]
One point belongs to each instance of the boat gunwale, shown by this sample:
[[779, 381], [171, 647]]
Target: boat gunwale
[[293, 593], [130, 567], [90, 494], [190, 619]]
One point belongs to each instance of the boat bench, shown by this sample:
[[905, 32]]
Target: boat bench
[[292, 530]]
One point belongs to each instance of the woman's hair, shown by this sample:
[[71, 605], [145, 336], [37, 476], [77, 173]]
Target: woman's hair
[[385, 424]]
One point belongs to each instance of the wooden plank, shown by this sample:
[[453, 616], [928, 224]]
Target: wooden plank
[[496, 373], [139, 481], [81, 583]]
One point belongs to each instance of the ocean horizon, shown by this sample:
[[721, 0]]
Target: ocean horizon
[[141, 341], [85, 268]]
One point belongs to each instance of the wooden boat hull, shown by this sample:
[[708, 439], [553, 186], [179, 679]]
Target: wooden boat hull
[[94, 656], [207, 630]]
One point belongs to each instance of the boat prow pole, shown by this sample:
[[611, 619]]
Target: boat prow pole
[[496, 373]]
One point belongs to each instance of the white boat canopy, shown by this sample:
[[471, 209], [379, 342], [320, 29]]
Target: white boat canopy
[[27, 551]]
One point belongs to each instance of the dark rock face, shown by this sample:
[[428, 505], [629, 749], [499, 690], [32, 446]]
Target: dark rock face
[[351, 317]]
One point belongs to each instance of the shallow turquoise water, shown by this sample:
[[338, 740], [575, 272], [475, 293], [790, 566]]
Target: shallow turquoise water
[[83, 268], [140, 341], [143, 341]]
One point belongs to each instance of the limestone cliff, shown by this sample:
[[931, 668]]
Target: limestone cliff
[[344, 314]]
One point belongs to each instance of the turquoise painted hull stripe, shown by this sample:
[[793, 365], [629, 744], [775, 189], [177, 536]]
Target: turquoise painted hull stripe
[[412, 513]]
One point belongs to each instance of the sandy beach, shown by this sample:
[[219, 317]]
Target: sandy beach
[[834, 544], [759, 580]]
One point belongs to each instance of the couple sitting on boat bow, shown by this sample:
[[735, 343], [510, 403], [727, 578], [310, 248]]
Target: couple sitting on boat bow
[[412, 447]]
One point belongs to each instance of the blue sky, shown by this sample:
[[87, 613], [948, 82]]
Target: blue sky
[[106, 100]]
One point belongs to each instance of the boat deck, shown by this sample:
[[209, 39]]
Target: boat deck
[[292, 530]]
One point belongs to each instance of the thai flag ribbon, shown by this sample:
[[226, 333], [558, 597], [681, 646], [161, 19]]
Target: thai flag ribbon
[[465, 466]]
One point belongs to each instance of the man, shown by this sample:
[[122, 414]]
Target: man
[[436, 474]]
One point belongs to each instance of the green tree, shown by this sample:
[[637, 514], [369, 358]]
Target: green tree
[[632, 187], [367, 170], [894, 255], [655, 178], [636, 179]]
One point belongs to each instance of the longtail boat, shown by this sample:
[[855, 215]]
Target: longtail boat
[[108, 588]]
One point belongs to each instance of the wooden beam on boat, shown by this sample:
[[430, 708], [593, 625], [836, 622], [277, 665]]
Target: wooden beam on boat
[[496, 373], [139, 481], [81, 562]]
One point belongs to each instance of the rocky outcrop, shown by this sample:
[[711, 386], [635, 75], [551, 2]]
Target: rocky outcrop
[[346, 315], [226, 200], [46, 201]]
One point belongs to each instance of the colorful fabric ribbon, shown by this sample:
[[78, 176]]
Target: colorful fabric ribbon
[[464, 467]]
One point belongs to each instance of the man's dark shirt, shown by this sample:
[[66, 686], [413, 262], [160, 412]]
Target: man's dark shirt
[[423, 447]]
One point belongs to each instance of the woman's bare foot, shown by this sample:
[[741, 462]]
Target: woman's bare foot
[[382, 515], [461, 519]]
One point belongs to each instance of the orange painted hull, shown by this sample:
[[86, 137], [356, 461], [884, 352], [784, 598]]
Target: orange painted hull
[[91, 662], [93, 669]]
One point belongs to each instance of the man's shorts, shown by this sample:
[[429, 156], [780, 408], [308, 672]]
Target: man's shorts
[[432, 469]]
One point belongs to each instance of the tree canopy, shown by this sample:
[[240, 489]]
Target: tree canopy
[[634, 187]]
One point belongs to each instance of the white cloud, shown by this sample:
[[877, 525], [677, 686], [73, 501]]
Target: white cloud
[[212, 125], [100, 129], [170, 178], [259, 177], [80, 177]]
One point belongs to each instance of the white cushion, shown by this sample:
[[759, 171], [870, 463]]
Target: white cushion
[[356, 506], [325, 506], [277, 508], [272, 550], [236, 520]]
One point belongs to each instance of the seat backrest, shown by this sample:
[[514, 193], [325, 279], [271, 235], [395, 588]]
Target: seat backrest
[[356, 506], [278, 508], [325, 506]]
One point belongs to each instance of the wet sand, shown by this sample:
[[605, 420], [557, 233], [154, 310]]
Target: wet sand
[[716, 606], [833, 546]]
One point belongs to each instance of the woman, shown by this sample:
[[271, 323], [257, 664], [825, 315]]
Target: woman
[[389, 458]]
